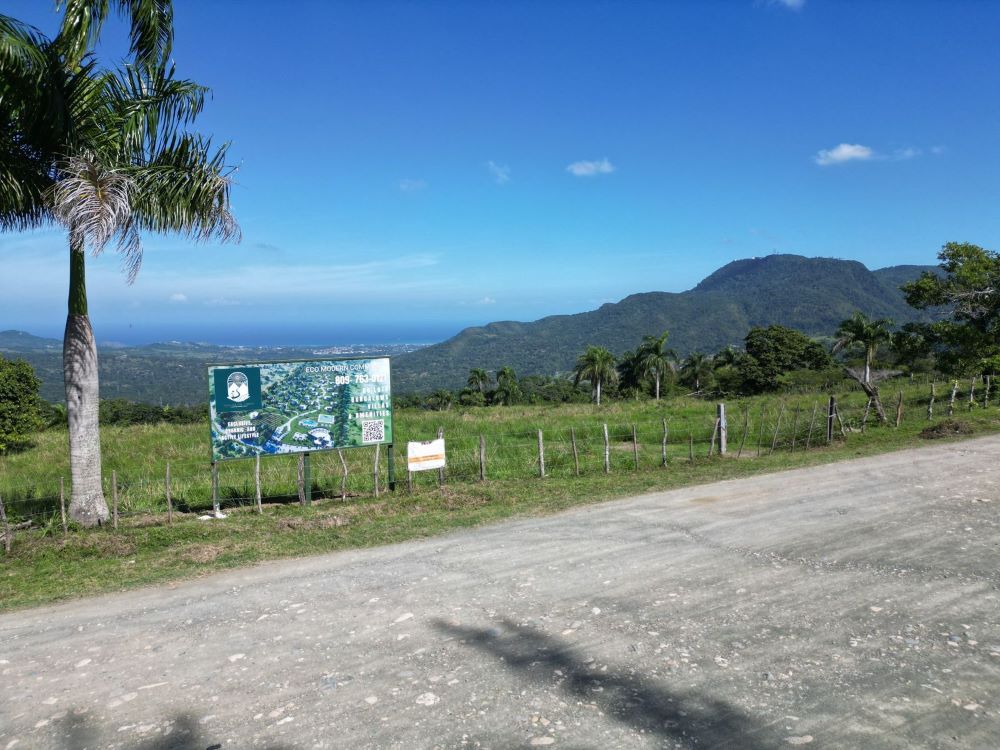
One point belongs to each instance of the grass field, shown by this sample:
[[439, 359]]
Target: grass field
[[45, 565]]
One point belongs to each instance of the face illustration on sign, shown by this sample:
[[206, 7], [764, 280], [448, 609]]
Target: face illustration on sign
[[238, 387]]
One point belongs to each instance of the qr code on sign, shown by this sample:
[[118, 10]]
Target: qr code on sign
[[372, 431]]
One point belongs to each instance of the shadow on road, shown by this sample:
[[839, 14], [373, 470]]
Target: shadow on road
[[78, 734], [691, 719]]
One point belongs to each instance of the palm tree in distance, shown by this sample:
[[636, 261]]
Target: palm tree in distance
[[631, 378], [597, 366], [107, 155], [696, 368], [478, 378], [655, 359], [861, 330], [508, 390]]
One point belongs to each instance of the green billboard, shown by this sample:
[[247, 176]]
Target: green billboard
[[271, 408]]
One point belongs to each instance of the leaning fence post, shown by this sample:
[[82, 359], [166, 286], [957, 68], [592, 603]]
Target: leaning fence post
[[635, 447], [760, 430], [899, 409], [715, 432], [607, 451], [930, 404], [746, 429], [795, 425], [256, 485], [170, 500], [343, 476], [723, 429], [62, 504], [7, 537], [812, 423], [541, 455], [831, 410], [114, 498], [576, 453], [951, 401], [482, 458], [777, 426], [663, 445], [864, 419]]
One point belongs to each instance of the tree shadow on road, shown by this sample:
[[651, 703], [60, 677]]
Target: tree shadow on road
[[691, 719], [79, 733]]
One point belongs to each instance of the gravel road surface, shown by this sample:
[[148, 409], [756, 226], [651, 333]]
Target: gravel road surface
[[854, 605]]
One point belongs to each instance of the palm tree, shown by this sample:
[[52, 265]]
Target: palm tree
[[695, 368], [860, 329], [655, 359], [597, 366], [508, 390], [631, 378], [106, 154], [478, 378], [441, 399]]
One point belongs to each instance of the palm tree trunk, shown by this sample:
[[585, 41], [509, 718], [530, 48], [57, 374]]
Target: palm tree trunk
[[657, 386], [598, 391], [868, 365], [87, 504]]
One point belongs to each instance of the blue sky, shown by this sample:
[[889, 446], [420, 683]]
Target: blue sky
[[411, 168]]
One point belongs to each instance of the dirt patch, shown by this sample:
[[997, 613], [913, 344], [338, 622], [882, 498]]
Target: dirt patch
[[946, 428], [202, 553]]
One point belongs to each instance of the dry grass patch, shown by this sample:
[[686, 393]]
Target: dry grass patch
[[947, 428]]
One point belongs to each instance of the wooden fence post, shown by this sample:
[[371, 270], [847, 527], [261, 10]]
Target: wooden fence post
[[795, 425], [951, 401], [831, 410], [723, 429], [777, 427], [576, 454], [987, 381], [746, 429], [864, 419], [715, 433], [167, 490], [258, 495], [482, 458], [7, 534], [812, 423], [607, 451], [899, 409], [663, 445], [114, 499], [62, 504], [343, 477], [760, 431], [972, 393], [930, 404], [378, 455], [635, 447], [441, 470], [541, 456]]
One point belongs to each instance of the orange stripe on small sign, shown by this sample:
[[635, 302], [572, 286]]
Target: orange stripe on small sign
[[421, 459]]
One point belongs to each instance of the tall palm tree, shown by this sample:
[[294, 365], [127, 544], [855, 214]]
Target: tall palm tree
[[508, 389], [696, 368], [478, 378], [632, 380], [862, 330], [107, 155], [597, 366], [655, 359]]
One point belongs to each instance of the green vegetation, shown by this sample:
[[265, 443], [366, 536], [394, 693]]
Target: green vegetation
[[20, 406], [45, 566]]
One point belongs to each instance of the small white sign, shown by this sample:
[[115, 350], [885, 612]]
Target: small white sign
[[426, 455]]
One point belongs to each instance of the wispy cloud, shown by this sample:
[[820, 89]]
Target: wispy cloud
[[790, 4], [843, 153], [178, 297], [500, 172], [590, 168], [486, 301], [904, 154], [411, 186], [938, 150]]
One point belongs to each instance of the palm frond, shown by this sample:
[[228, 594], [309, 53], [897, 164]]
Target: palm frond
[[151, 33]]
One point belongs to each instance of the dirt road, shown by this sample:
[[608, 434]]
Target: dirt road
[[854, 605]]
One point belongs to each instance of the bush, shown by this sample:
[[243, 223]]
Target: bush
[[20, 406]]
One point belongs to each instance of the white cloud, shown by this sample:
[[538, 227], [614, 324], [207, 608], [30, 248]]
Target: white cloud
[[590, 168], [487, 301], [178, 297], [410, 186], [845, 152], [938, 150], [790, 4], [903, 154], [500, 172]]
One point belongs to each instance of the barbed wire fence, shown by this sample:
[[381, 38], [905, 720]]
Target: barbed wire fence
[[587, 447]]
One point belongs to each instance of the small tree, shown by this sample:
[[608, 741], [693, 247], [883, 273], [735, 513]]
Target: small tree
[[20, 406], [508, 391], [478, 379], [655, 359], [597, 366], [697, 369]]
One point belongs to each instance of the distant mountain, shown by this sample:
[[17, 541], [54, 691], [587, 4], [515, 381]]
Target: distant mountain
[[812, 295], [19, 342]]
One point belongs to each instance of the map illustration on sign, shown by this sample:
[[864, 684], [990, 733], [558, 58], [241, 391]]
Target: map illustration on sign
[[269, 408]]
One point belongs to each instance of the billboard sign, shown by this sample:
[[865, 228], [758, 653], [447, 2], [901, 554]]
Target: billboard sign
[[268, 408]]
